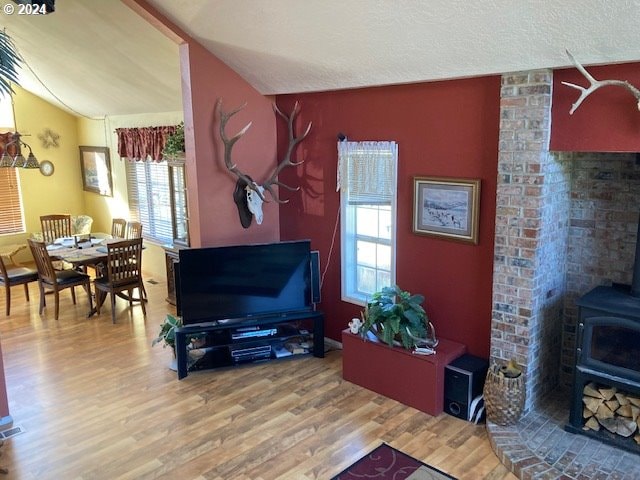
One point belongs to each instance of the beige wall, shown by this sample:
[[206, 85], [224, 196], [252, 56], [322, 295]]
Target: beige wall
[[104, 209], [60, 192]]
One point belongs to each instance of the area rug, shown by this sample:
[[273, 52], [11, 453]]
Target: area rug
[[385, 462]]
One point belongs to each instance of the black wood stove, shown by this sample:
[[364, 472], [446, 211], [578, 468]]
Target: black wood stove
[[607, 353]]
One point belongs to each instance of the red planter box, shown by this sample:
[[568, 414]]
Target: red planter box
[[415, 380]]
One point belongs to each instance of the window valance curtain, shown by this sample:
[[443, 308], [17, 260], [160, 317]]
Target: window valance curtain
[[145, 143], [367, 171]]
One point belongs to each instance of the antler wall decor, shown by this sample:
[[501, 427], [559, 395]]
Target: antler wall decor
[[251, 203], [596, 84]]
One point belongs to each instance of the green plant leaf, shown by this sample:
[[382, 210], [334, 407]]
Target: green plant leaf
[[396, 315], [167, 331], [9, 63], [413, 316], [174, 144]]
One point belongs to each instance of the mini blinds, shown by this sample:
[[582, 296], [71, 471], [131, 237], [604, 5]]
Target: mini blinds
[[150, 199], [367, 171], [11, 219]]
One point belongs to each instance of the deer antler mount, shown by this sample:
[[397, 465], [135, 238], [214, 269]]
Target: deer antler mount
[[250, 204], [595, 85]]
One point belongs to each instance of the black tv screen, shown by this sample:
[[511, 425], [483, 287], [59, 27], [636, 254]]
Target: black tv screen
[[235, 282]]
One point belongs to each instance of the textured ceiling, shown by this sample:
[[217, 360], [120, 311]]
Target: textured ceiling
[[284, 46], [98, 57], [101, 58]]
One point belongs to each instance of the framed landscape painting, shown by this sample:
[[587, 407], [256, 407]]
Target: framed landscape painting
[[96, 170], [446, 208]]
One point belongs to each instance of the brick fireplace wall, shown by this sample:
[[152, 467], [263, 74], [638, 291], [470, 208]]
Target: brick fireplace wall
[[605, 204], [565, 223], [531, 235]]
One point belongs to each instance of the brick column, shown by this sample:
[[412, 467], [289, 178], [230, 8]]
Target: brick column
[[530, 237]]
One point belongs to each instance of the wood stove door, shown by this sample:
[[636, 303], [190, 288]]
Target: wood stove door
[[611, 345]]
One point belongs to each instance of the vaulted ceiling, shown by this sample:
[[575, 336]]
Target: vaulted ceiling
[[100, 58]]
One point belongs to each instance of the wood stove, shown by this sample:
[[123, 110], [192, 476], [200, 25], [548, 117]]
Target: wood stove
[[607, 354]]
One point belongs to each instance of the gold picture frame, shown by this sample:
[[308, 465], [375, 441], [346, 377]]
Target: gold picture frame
[[447, 208], [96, 170]]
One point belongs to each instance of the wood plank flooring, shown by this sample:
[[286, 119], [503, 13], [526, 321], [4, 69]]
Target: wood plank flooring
[[97, 402]]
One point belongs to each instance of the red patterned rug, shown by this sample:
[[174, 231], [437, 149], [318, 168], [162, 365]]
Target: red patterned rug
[[385, 462]]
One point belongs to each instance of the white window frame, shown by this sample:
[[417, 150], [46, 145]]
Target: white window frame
[[157, 227], [348, 151]]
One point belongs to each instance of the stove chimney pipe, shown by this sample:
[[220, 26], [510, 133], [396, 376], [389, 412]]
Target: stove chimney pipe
[[635, 282]]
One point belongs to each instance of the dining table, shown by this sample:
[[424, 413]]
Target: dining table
[[91, 253]]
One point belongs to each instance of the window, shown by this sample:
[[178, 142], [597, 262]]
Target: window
[[11, 217], [158, 200], [368, 217]]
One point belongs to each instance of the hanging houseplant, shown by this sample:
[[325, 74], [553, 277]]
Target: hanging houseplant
[[174, 145]]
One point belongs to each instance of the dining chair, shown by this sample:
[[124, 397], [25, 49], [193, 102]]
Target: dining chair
[[12, 276], [134, 230], [56, 280], [55, 226], [81, 224], [124, 260], [118, 227]]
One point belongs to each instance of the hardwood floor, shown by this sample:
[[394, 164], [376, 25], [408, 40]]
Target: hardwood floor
[[97, 402]]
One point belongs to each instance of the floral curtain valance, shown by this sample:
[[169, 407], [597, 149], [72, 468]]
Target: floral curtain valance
[[143, 143]]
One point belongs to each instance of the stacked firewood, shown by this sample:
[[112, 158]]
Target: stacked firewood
[[616, 411]]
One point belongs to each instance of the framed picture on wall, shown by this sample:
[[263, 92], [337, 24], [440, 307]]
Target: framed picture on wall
[[96, 170], [446, 208]]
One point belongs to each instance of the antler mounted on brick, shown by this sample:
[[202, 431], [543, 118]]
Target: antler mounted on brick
[[596, 84], [253, 202]]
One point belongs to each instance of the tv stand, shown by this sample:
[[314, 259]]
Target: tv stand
[[225, 343]]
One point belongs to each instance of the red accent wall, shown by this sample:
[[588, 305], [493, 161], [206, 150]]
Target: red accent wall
[[607, 121], [445, 128], [4, 401], [213, 216]]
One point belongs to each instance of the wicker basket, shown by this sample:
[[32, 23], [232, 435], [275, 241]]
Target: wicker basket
[[503, 397]]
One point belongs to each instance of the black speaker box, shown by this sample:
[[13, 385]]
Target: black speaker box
[[463, 382], [315, 276]]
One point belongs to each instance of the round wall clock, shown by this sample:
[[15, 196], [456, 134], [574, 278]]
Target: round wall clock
[[46, 168]]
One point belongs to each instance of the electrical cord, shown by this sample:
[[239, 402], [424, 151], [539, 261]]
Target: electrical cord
[[333, 241]]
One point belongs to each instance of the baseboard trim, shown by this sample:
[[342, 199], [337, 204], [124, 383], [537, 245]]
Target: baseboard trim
[[332, 344]]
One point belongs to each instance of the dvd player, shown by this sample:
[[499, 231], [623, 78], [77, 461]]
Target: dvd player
[[251, 354]]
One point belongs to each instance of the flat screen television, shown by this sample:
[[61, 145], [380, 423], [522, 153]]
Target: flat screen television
[[236, 282]]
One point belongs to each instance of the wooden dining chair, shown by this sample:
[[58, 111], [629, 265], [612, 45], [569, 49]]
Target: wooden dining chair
[[124, 260], [56, 280], [55, 226], [118, 227], [134, 230], [12, 276]]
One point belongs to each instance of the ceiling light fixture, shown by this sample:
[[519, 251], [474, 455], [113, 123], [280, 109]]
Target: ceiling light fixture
[[18, 160]]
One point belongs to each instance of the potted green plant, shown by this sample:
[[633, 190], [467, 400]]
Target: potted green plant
[[174, 145], [167, 334], [397, 317]]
